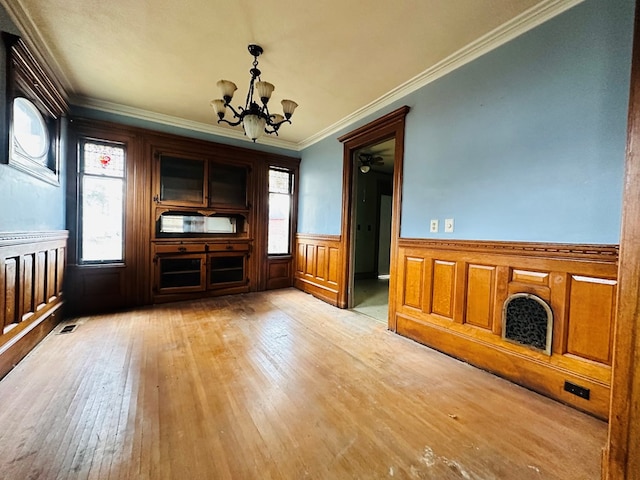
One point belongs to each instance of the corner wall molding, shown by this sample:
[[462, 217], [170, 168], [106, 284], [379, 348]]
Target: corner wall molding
[[528, 20]]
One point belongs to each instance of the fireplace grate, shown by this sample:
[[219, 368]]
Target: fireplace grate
[[528, 320]]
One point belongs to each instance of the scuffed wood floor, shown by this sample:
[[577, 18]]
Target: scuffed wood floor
[[273, 385]]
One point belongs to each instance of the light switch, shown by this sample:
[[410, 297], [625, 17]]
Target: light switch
[[448, 225], [433, 226]]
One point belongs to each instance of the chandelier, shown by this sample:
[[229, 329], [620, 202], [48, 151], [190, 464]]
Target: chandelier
[[255, 118]]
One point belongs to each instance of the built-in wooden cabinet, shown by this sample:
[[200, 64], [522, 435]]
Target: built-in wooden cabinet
[[204, 224], [187, 267], [196, 223]]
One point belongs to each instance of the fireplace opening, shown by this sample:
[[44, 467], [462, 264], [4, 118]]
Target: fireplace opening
[[528, 320]]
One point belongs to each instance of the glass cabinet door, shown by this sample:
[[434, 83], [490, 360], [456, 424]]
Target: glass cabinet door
[[227, 186], [181, 273], [226, 269], [181, 181]]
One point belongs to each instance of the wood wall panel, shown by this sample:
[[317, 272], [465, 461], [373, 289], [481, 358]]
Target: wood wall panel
[[321, 262], [442, 293], [413, 282], [40, 288], [318, 263], [32, 264], [590, 325], [10, 289], [481, 280], [469, 284], [334, 266], [27, 285], [52, 272], [279, 272]]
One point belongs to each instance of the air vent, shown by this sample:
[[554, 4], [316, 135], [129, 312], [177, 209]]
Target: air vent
[[68, 329], [528, 320]]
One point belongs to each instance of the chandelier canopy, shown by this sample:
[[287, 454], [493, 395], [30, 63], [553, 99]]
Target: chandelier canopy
[[254, 117]]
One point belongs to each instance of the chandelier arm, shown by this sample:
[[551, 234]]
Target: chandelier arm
[[235, 112], [233, 124], [277, 125]]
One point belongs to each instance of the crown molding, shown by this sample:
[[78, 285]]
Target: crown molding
[[41, 51], [506, 32], [177, 122]]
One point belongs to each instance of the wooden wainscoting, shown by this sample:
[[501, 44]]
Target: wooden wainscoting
[[32, 267], [279, 273], [450, 296], [318, 266]]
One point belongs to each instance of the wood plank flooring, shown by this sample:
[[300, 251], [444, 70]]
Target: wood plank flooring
[[274, 385]]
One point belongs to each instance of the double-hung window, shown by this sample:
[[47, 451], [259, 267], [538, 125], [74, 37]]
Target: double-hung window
[[101, 180], [280, 209]]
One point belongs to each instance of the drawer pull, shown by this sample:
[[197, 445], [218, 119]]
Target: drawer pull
[[182, 249], [229, 247]]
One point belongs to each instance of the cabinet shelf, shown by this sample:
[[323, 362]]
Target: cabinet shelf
[[180, 272]]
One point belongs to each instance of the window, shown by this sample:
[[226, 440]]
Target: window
[[101, 180], [280, 202]]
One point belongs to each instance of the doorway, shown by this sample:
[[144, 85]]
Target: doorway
[[371, 228], [372, 139]]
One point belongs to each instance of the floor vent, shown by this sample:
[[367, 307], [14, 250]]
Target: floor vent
[[68, 329]]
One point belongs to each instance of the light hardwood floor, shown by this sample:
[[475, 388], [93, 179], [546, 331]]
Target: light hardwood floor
[[273, 385]]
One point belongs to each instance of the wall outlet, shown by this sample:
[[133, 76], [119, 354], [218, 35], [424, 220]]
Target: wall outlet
[[448, 225], [433, 226]]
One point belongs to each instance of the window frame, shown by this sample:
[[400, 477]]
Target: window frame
[[80, 175], [28, 80], [292, 208]]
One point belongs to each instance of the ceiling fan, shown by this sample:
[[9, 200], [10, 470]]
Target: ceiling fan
[[367, 160]]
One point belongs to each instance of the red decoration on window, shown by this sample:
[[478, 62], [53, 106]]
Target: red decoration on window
[[105, 160]]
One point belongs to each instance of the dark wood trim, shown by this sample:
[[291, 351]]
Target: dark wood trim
[[622, 453], [603, 253], [389, 126]]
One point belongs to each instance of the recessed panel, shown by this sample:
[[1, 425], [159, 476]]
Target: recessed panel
[[27, 276], [301, 261], [321, 263], [311, 260], [444, 274], [536, 278], [591, 308], [480, 296], [413, 281], [11, 289], [334, 265]]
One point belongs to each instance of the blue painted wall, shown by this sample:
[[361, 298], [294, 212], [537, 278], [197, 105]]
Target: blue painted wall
[[26, 203], [525, 143]]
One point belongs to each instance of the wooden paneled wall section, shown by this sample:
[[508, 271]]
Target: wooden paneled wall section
[[450, 296], [32, 267], [318, 266]]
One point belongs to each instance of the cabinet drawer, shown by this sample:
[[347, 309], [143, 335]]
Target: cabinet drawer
[[228, 247], [185, 248]]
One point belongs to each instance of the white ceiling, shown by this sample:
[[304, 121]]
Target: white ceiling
[[339, 59]]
